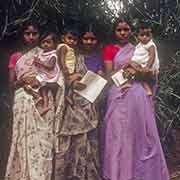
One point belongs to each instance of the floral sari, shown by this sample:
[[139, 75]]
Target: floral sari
[[77, 154], [31, 150]]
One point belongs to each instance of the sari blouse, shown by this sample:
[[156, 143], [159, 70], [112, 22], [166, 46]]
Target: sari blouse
[[109, 53]]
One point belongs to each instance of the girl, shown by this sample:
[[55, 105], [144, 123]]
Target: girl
[[47, 66], [89, 48], [77, 157], [145, 56], [67, 59]]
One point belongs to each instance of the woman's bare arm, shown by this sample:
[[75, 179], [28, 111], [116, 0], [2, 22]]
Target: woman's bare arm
[[13, 82], [108, 67]]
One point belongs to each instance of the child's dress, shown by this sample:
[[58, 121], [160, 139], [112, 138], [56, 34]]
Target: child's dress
[[44, 75], [141, 55], [70, 58]]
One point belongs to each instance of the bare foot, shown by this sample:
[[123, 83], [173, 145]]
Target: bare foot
[[149, 93]]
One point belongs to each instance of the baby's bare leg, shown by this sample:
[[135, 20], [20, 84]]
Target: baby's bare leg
[[44, 94], [147, 88]]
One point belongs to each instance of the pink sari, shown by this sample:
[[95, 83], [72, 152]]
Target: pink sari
[[132, 149]]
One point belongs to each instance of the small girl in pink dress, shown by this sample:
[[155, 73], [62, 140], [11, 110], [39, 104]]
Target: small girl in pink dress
[[47, 66]]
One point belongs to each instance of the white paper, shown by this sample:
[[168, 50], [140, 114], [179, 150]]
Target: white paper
[[118, 78], [94, 85]]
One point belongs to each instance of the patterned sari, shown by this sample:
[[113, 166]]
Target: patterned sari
[[77, 154], [31, 150]]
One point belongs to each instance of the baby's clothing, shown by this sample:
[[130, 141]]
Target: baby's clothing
[[141, 55], [70, 58], [44, 75]]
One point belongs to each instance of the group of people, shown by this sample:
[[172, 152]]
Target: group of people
[[60, 135]]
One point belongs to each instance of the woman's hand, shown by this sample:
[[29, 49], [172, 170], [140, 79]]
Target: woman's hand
[[130, 71], [72, 78], [18, 84], [36, 61], [78, 85], [75, 76], [146, 71]]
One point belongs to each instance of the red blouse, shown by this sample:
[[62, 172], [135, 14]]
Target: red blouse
[[109, 52], [13, 60]]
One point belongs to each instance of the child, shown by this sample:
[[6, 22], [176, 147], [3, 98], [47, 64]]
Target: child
[[47, 67], [67, 57], [91, 51], [146, 56]]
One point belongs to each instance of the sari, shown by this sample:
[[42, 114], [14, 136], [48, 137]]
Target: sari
[[77, 154], [132, 149], [31, 151]]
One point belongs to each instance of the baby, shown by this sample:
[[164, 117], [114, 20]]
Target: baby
[[47, 67], [146, 57], [67, 57]]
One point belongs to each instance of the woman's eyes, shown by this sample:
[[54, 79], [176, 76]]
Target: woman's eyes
[[31, 33], [91, 39]]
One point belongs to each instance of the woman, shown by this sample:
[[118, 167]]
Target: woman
[[90, 50], [32, 140], [132, 149], [77, 156]]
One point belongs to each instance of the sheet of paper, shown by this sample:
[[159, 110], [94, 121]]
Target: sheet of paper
[[118, 78], [95, 84]]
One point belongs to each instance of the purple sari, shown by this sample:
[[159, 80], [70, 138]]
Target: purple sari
[[132, 149]]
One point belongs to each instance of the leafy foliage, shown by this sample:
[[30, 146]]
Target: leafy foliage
[[164, 15], [168, 103]]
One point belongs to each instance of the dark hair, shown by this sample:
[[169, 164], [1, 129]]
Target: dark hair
[[44, 34], [121, 20], [90, 28], [144, 25], [26, 24], [72, 31]]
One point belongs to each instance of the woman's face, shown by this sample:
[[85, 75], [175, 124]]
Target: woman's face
[[31, 36], [122, 32], [89, 41]]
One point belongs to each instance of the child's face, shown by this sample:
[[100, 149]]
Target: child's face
[[145, 35], [47, 44], [70, 39], [89, 41]]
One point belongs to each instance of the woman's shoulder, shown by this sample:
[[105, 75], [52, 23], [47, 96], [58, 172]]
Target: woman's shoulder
[[16, 54], [14, 58], [109, 52], [111, 47]]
